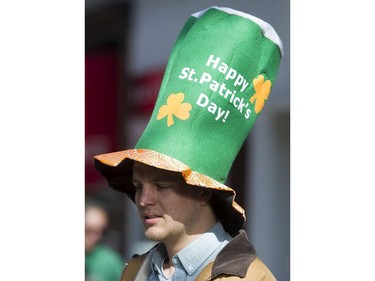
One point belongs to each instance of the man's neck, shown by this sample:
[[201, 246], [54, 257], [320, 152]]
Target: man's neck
[[173, 247]]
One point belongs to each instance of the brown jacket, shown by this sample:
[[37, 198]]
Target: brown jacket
[[237, 261]]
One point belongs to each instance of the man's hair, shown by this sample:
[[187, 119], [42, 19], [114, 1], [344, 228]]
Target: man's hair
[[221, 203]]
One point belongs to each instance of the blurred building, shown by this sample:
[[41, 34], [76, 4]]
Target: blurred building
[[128, 44]]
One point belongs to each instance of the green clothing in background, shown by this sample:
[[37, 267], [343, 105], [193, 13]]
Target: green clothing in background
[[103, 264]]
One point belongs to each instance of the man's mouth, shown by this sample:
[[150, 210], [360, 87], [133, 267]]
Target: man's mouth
[[151, 218]]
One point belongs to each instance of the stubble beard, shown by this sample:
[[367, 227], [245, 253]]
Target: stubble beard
[[155, 234], [152, 236], [163, 233]]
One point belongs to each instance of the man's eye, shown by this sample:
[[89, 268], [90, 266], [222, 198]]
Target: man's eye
[[161, 186], [137, 187]]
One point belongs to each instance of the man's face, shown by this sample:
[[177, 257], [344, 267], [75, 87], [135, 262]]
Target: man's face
[[167, 206]]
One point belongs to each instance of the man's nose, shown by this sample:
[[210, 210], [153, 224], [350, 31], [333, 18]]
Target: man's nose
[[147, 195]]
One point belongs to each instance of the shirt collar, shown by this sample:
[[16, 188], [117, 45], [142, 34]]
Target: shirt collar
[[160, 252], [198, 251]]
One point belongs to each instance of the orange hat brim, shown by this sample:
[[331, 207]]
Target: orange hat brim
[[117, 169]]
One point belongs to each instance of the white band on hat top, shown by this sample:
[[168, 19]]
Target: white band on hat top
[[268, 31]]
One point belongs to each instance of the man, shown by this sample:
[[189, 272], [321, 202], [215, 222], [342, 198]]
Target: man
[[217, 80], [172, 213]]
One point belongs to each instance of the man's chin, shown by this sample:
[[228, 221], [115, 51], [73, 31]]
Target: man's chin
[[154, 235]]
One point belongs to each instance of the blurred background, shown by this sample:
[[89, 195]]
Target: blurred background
[[127, 46]]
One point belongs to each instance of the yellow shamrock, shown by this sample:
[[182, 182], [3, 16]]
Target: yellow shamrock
[[262, 91], [175, 107]]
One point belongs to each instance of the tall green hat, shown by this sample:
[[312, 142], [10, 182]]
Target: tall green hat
[[217, 80]]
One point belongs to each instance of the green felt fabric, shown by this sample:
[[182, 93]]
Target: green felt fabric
[[205, 107]]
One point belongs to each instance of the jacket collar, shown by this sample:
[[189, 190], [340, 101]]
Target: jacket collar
[[238, 247]]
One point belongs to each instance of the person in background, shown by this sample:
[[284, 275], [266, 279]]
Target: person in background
[[216, 83], [102, 263]]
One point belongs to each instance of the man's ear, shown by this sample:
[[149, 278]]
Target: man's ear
[[205, 196]]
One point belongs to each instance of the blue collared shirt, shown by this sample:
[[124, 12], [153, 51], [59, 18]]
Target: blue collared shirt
[[191, 260]]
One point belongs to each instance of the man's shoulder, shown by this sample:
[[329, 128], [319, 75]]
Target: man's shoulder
[[137, 257], [238, 259], [134, 265], [259, 271], [137, 260]]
